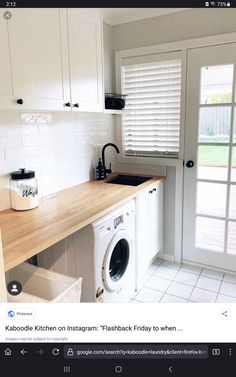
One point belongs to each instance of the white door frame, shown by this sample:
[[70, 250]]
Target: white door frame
[[183, 46], [220, 55]]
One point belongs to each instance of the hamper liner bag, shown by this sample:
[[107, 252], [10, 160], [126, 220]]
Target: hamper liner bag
[[41, 285]]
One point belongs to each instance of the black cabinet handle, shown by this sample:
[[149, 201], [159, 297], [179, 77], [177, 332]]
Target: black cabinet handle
[[20, 101], [189, 164], [154, 189], [150, 192], [76, 105], [67, 104]]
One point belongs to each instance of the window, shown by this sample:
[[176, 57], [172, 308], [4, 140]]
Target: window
[[151, 120]]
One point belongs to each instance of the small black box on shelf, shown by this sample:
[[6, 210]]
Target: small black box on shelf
[[114, 101]]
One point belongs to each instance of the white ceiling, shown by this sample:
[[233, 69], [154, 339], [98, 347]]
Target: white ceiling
[[116, 16]]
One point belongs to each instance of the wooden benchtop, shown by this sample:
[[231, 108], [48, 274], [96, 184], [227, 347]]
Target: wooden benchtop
[[26, 233]]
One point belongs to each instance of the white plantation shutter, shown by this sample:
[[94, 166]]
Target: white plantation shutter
[[151, 120]]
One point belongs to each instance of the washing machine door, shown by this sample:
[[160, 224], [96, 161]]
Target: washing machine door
[[116, 261]]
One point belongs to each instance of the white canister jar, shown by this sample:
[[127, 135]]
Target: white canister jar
[[23, 190]]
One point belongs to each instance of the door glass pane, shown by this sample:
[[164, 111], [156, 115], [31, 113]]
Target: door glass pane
[[234, 126], [210, 234], [233, 170], [213, 162], [232, 205], [214, 124], [211, 199], [216, 84], [232, 238]]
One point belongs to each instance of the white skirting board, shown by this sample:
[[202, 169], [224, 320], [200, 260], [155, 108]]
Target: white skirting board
[[167, 257]]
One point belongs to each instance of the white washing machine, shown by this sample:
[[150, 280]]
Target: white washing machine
[[105, 257]]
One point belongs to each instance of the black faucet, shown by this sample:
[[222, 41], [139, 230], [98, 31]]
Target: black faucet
[[103, 157]]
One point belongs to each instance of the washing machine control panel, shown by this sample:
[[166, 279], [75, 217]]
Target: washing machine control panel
[[118, 220]]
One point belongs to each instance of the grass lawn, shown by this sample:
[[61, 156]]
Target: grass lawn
[[215, 156]]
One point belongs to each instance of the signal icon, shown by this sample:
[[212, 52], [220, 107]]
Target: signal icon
[[212, 3]]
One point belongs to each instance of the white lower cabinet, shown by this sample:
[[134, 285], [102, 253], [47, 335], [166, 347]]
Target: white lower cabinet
[[149, 228]]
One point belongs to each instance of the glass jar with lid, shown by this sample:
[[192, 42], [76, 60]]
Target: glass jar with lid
[[24, 190]]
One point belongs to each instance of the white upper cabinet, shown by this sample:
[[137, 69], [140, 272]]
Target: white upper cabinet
[[51, 60], [8, 60], [43, 47], [5, 61], [85, 57]]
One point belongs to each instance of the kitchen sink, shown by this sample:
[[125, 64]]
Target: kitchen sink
[[129, 180]]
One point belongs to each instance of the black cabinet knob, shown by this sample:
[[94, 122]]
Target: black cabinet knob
[[20, 101], [150, 192], [67, 104], [189, 164], [76, 105], [154, 189]]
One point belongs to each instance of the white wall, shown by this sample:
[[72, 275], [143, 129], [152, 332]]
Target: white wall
[[189, 24], [62, 148], [193, 23], [109, 61]]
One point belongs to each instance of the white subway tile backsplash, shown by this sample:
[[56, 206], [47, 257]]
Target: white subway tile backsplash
[[11, 154], [6, 167], [39, 160], [45, 139], [12, 141], [85, 150], [62, 148], [10, 130], [2, 155], [2, 144], [44, 129], [30, 129], [30, 140], [32, 151]]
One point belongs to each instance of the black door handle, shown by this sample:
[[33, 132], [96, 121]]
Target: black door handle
[[67, 104], [76, 105], [20, 101], [189, 164]]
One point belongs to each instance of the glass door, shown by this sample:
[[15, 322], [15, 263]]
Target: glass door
[[209, 232]]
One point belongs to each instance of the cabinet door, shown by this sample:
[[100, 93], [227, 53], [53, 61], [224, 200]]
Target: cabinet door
[[160, 219], [9, 57], [152, 221], [43, 80], [155, 219], [85, 55], [142, 237]]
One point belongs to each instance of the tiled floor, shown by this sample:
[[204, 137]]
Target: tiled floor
[[171, 282]]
